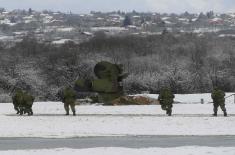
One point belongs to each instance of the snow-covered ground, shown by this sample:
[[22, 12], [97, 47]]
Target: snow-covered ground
[[192, 150], [49, 120]]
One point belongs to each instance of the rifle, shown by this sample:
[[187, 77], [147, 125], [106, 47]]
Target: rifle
[[229, 96]]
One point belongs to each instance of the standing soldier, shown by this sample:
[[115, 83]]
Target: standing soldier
[[17, 99], [218, 100], [69, 98], [166, 99], [28, 103]]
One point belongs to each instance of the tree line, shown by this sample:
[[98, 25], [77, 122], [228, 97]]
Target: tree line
[[187, 63]]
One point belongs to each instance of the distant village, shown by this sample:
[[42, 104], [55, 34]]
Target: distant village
[[58, 27]]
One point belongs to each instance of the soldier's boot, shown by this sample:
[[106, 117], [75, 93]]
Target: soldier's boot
[[30, 112], [225, 113], [215, 111], [21, 111], [224, 110], [72, 106], [17, 111], [169, 112], [66, 108]]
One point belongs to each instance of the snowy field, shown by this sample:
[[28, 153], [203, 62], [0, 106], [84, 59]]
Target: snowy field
[[192, 150], [49, 120]]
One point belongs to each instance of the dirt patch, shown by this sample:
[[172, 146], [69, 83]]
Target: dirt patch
[[135, 100]]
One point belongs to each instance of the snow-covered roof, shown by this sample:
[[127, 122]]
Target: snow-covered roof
[[18, 33], [216, 19], [2, 38], [88, 33], [226, 35], [194, 19], [183, 19], [7, 21], [61, 41], [168, 22], [107, 28], [65, 29], [28, 17], [136, 16], [132, 26], [99, 18], [165, 18], [115, 15]]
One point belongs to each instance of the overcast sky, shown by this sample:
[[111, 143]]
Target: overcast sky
[[85, 6]]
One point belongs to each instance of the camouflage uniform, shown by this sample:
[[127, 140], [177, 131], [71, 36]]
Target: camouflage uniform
[[166, 100], [23, 102], [28, 103], [18, 101], [68, 98], [218, 100]]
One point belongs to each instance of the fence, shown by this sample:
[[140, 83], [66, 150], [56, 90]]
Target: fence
[[202, 100], [233, 95]]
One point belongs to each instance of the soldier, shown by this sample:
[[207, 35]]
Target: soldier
[[28, 103], [166, 99], [68, 98], [18, 100], [218, 100], [23, 102]]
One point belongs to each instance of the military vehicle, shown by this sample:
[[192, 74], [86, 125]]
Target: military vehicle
[[108, 84]]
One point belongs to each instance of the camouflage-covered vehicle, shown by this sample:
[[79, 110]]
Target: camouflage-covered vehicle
[[108, 84]]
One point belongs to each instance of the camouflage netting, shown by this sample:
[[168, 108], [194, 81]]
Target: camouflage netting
[[109, 82]]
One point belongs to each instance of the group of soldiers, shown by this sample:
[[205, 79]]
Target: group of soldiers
[[166, 99], [23, 102]]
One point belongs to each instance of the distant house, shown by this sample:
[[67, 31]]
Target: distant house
[[88, 33], [61, 41], [216, 21]]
